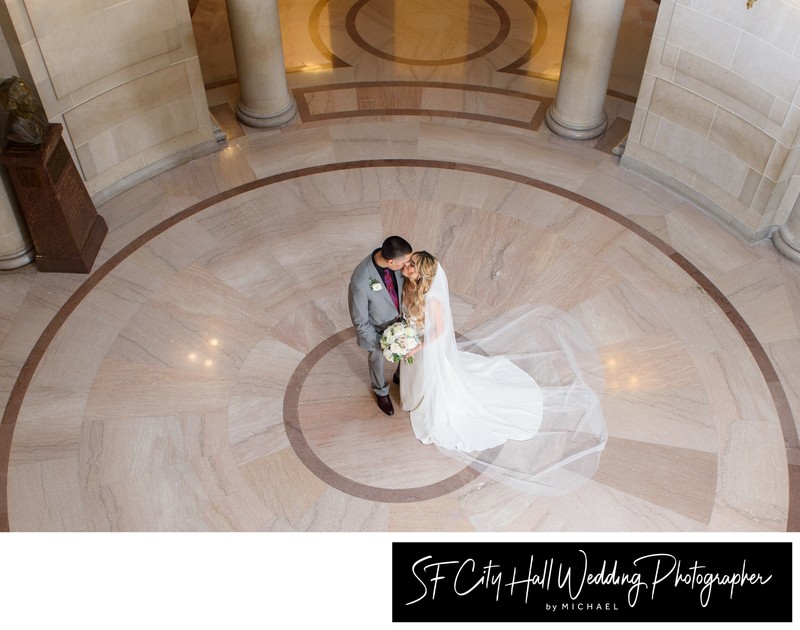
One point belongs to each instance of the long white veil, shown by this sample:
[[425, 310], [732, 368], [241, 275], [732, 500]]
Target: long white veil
[[525, 386]]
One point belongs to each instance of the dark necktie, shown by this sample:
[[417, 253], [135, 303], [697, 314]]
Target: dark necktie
[[388, 279]]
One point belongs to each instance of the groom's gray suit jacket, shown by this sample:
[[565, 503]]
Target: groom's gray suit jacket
[[371, 311]]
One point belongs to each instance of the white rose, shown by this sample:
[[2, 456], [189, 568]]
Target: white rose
[[388, 354], [409, 331], [396, 349]]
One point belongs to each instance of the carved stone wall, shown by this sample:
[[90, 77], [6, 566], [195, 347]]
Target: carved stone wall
[[122, 77], [718, 112]]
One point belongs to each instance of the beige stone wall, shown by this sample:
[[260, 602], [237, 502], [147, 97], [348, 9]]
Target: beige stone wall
[[718, 111], [123, 78]]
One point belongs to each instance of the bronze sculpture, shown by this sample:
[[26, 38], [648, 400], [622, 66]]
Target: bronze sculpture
[[26, 124]]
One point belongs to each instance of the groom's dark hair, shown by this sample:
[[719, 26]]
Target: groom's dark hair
[[395, 247]]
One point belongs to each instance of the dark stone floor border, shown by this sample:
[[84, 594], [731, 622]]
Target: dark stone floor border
[[300, 97], [499, 38], [291, 421], [514, 67], [23, 381]]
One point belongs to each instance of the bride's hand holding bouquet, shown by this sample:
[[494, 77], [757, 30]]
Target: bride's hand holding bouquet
[[400, 342]]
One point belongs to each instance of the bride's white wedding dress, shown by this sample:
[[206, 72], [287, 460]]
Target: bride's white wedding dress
[[519, 397]]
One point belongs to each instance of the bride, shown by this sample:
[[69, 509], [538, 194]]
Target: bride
[[519, 398]]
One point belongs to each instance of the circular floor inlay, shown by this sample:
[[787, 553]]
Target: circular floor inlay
[[327, 427], [448, 35], [312, 434]]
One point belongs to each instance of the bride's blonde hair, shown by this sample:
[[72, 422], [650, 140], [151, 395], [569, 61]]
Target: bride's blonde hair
[[414, 290]]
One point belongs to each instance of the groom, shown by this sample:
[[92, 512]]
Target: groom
[[374, 297]]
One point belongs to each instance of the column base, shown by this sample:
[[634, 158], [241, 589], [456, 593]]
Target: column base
[[563, 129], [787, 248], [261, 120], [19, 259]]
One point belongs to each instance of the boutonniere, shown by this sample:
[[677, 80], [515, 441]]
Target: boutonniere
[[375, 285]]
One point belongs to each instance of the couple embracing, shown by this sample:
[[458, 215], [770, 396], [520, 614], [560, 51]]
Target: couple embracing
[[471, 396]]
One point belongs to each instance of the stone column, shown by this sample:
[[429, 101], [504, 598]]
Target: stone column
[[787, 238], [264, 97], [578, 112], [16, 245]]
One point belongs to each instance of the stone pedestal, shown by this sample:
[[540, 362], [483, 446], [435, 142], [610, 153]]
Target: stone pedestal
[[578, 112], [66, 229], [264, 96]]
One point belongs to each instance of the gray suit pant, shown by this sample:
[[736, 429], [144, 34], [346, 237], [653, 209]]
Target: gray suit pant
[[376, 376]]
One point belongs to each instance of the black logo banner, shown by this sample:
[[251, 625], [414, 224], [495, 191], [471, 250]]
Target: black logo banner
[[580, 582]]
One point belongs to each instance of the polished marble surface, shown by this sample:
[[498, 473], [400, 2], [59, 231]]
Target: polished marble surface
[[204, 377]]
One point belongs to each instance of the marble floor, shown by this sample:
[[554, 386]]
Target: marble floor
[[205, 377]]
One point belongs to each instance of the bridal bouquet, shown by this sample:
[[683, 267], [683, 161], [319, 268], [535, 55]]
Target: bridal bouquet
[[397, 340]]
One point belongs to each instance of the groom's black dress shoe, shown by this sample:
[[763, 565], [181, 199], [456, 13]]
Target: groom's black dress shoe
[[385, 405]]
